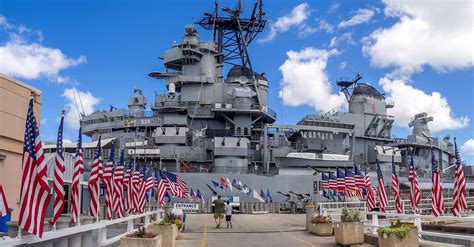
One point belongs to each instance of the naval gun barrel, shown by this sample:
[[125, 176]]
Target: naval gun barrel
[[297, 194], [284, 194]]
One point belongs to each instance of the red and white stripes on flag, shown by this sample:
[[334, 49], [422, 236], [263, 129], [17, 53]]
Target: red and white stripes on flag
[[459, 194], [59, 168], [118, 187], [437, 201], [127, 184], [381, 187], [371, 200], [415, 194], [396, 188], [3, 203], [135, 190], [127, 181], [34, 194], [75, 186], [108, 182], [161, 189], [94, 181]]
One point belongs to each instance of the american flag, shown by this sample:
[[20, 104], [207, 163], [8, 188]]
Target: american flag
[[94, 183], [109, 188], [224, 182], [359, 181], [350, 183], [3, 203], [118, 186], [59, 168], [136, 188], [395, 188], [76, 187], [143, 188], [371, 202], [161, 188], [382, 193], [437, 201], [332, 181], [415, 195], [34, 194], [324, 181], [127, 184], [340, 180], [459, 194], [177, 185]]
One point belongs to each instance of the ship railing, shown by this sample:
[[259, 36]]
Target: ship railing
[[424, 207], [82, 235]]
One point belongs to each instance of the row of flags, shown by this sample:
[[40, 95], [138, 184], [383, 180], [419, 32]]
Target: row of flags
[[126, 189], [224, 183]]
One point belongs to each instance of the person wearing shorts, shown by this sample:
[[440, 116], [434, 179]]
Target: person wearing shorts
[[228, 214], [219, 208]]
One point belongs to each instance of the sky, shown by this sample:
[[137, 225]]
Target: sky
[[419, 53]]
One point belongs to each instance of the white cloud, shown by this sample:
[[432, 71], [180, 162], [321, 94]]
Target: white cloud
[[361, 16], [410, 101], [324, 25], [68, 141], [75, 97], [344, 37], [342, 65], [297, 16], [31, 60], [305, 81], [438, 34], [333, 7], [468, 147]]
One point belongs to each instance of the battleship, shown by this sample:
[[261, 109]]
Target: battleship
[[210, 125]]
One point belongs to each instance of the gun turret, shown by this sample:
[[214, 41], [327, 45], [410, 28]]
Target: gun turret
[[300, 196]]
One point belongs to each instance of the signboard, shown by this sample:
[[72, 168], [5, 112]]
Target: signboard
[[187, 206]]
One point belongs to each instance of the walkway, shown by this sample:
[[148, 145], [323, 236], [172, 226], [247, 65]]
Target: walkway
[[250, 230]]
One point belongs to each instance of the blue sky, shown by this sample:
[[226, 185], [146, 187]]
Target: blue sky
[[420, 58]]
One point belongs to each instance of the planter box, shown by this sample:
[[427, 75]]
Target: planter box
[[169, 233], [392, 240], [347, 233], [141, 242], [324, 229]]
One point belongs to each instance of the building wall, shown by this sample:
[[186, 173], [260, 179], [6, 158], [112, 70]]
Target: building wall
[[14, 99]]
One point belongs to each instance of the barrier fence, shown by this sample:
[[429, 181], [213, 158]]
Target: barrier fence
[[76, 236]]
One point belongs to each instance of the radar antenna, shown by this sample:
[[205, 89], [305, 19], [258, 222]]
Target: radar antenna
[[233, 33], [347, 83]]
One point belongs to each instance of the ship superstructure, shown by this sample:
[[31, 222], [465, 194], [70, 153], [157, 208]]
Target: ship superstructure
[[208, 122]]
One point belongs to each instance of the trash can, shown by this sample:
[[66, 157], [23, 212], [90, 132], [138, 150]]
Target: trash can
[[4, 220]]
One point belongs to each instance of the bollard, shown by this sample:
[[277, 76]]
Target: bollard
[[251, 207], [309, 215], [242, 209]]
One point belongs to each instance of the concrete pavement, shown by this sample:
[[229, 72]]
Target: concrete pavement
[[250, 230]]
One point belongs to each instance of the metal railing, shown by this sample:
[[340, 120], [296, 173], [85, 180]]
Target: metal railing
[[373, 224], [74, 236]]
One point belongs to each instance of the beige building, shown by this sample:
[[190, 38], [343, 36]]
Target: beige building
[[14, 99]]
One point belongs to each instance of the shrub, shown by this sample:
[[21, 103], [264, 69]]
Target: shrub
[[321, 219], [350, 215], [142, 233], [179, 224], [397, 228]]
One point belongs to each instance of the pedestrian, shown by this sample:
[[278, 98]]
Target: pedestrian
[[219, 207], [228, 214]]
